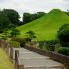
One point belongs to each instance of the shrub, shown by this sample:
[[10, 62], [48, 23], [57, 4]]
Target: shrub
[[51, 45], [30, 35], [48, 45], [64, 51], [14, 32], [22, 41], [41, 44], [15, 44]]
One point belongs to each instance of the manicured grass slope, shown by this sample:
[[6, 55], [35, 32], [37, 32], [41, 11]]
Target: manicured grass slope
[[5, 62], [47, 26]]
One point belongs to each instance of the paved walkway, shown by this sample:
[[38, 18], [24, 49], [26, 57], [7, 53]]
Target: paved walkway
[[32, 60]]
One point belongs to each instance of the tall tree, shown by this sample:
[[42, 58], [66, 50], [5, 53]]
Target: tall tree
[[26, 17], [4, 21], [12, 15], [63, 35]]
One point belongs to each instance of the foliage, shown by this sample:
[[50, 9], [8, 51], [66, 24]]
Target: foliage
[[14, 32], [51, 45], [27, 17], [5, 35], [64, 51], [41, 44], [30, 35], [48, 45], [8, 19], [12, 15], [4, 21], [15, 44], [22, 41], [63, 35]]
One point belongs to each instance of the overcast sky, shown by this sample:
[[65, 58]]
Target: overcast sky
[[34, 5]]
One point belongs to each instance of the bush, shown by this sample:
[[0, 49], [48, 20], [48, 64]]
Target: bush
[[48, 45], [41, 44], [15, 44], [51, 45], [30, 35], [64, 51], [22, 41]]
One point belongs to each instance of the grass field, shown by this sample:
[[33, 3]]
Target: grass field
[[47, 26], [5, 62]]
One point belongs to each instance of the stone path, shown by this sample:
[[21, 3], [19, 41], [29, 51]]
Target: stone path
[[32, 60]]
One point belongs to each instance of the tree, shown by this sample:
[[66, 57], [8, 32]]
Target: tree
[[30, 35], [26, 17], [4, 21], [14, 33], [40, 14], [12, 15], [63, 35]]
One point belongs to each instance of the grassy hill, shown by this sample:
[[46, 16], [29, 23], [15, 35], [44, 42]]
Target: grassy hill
[[47, 26]]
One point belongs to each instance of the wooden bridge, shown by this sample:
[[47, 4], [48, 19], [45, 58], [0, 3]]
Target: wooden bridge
[[26, 59], [33, 58]]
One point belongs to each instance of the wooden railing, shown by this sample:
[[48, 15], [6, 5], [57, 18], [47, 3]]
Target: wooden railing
[[17, 61]]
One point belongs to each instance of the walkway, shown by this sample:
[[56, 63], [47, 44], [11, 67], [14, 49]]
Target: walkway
[[32, 60]]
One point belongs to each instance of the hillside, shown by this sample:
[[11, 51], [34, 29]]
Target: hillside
[[47, 26]]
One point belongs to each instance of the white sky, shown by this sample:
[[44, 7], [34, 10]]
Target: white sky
[[34, 5]]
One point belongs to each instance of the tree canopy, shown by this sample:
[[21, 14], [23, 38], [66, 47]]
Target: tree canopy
[[63, 35], [4, 21], [28, 17], [12, 15]]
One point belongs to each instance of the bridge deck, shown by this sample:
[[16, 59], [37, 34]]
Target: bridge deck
[[32, 60]]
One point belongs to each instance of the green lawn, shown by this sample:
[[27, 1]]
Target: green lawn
[[5, 62], [47, 26]]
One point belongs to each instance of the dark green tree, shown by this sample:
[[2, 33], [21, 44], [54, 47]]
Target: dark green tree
[[63, 35], [12, 15], [4, 21], [40, 14], [26, 18]]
